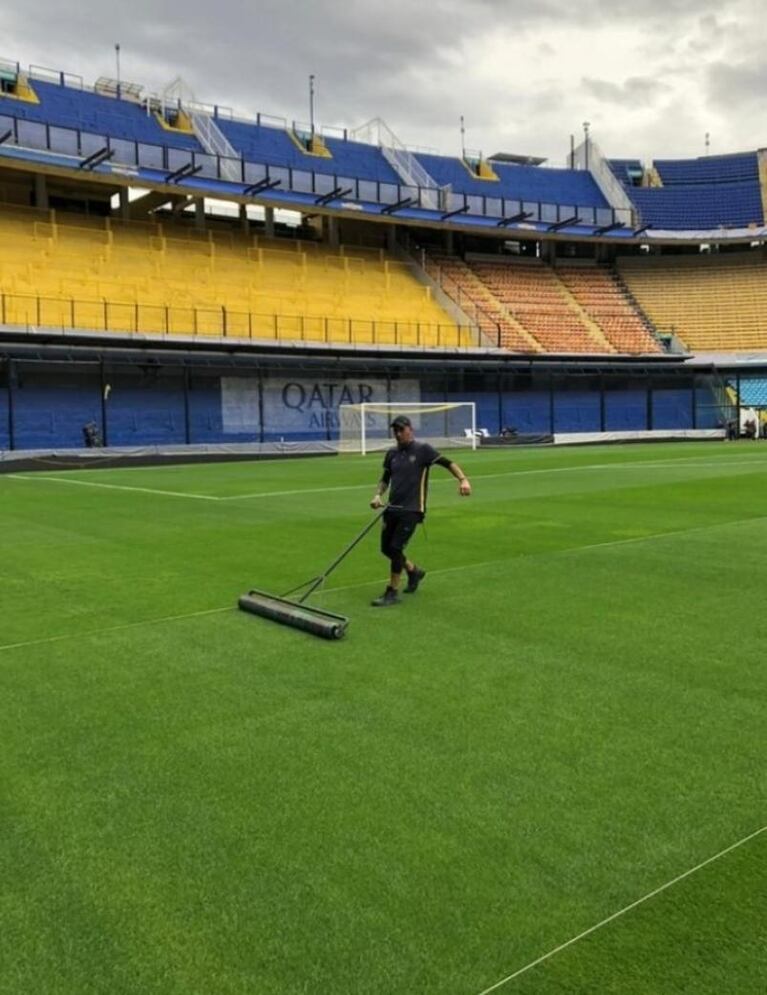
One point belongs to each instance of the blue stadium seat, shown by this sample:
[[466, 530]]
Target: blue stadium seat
[[753, 392], [700, 205], [626, 169], [530, 183], [738, 168], [67, 107], [274, 146]]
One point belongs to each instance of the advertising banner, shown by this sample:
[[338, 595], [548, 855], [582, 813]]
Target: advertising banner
[[303, 407]]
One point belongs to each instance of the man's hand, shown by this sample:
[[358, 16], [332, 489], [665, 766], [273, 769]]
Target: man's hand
[[464, 488], [376, 503]]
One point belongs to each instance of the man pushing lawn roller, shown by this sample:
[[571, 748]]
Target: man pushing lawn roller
[[406, 471], [406, 468]]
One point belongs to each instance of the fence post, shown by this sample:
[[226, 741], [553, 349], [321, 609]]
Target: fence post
[[106, 315], [223, 319]]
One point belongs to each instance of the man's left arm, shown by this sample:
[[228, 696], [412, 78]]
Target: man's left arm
[[464, 487]]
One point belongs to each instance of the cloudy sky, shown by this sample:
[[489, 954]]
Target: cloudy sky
[[651, 76]]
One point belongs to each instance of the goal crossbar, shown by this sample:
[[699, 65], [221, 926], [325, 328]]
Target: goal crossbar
[[365, 427]]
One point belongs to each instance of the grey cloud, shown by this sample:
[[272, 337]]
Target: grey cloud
[[730, 86], [418, 65], [636, 91]]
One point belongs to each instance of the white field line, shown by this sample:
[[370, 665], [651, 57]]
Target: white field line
[[621, 912], [113, 628], [111, 487], [369, 583], [670, 464], [506, 473]]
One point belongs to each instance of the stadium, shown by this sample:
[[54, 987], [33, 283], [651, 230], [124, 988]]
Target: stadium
[[543, 773]]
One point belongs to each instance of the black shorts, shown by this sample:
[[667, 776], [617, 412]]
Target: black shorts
[[398, 530]]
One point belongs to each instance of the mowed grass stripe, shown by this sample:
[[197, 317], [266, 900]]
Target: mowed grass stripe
[[331, 589]]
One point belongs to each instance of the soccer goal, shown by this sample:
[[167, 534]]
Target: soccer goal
[[364, 428]]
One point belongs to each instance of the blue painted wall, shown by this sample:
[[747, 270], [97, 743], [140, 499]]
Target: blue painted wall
[[146, 407]]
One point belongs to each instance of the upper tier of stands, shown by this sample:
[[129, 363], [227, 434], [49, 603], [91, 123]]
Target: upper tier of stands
[[696, 194], [525, 183], [713, 303], [626, 169], [737, 168], [84, 110], [259, 143], [700, 206], [70, 107]]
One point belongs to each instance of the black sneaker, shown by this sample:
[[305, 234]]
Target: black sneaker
[[389, 597], [414, 579]]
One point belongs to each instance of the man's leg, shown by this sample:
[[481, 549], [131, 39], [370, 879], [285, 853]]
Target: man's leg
[[395, 536], [389, 548]]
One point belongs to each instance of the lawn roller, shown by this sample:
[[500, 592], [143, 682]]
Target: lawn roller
[[279, 608]]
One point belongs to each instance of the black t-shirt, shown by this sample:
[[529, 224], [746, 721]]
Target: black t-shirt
[[406, 470]]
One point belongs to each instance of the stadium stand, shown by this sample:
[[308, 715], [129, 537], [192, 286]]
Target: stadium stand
[[700, 206], [68, 270], [753, 391], [537, 299], [275, 146], [598, 292], [741, 167], [628, 171], [524, 183], [462, 284], [67, 107], [713, 303], [537, 308]]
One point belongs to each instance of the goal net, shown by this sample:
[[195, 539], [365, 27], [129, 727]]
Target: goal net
[[364, 428]]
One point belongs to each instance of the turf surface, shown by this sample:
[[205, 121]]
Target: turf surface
[[569, 714]]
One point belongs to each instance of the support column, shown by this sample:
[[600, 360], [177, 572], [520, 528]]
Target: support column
[[549, 251], [449, 243], [244, 218], [330, 226], [124, 203], [41, 192], [391, 239], [199, 212], [269, 222]]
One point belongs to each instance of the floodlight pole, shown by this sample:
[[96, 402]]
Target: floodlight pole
[[117, 60], [708, 142], [463, 139], [586, 126], [311, 106]]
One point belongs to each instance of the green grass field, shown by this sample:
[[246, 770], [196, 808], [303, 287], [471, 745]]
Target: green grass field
[[567, 716]]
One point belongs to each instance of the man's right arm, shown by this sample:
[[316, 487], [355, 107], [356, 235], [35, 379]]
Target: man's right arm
[[383, 486]]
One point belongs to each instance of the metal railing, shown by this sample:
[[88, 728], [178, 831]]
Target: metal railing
[[129, 154], [31, 311]]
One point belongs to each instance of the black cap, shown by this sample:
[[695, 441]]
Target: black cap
[[401, 421]]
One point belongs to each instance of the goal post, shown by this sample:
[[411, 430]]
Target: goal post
[[365, 428]]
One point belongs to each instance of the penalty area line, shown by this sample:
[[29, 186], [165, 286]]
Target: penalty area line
[[622, 912]]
